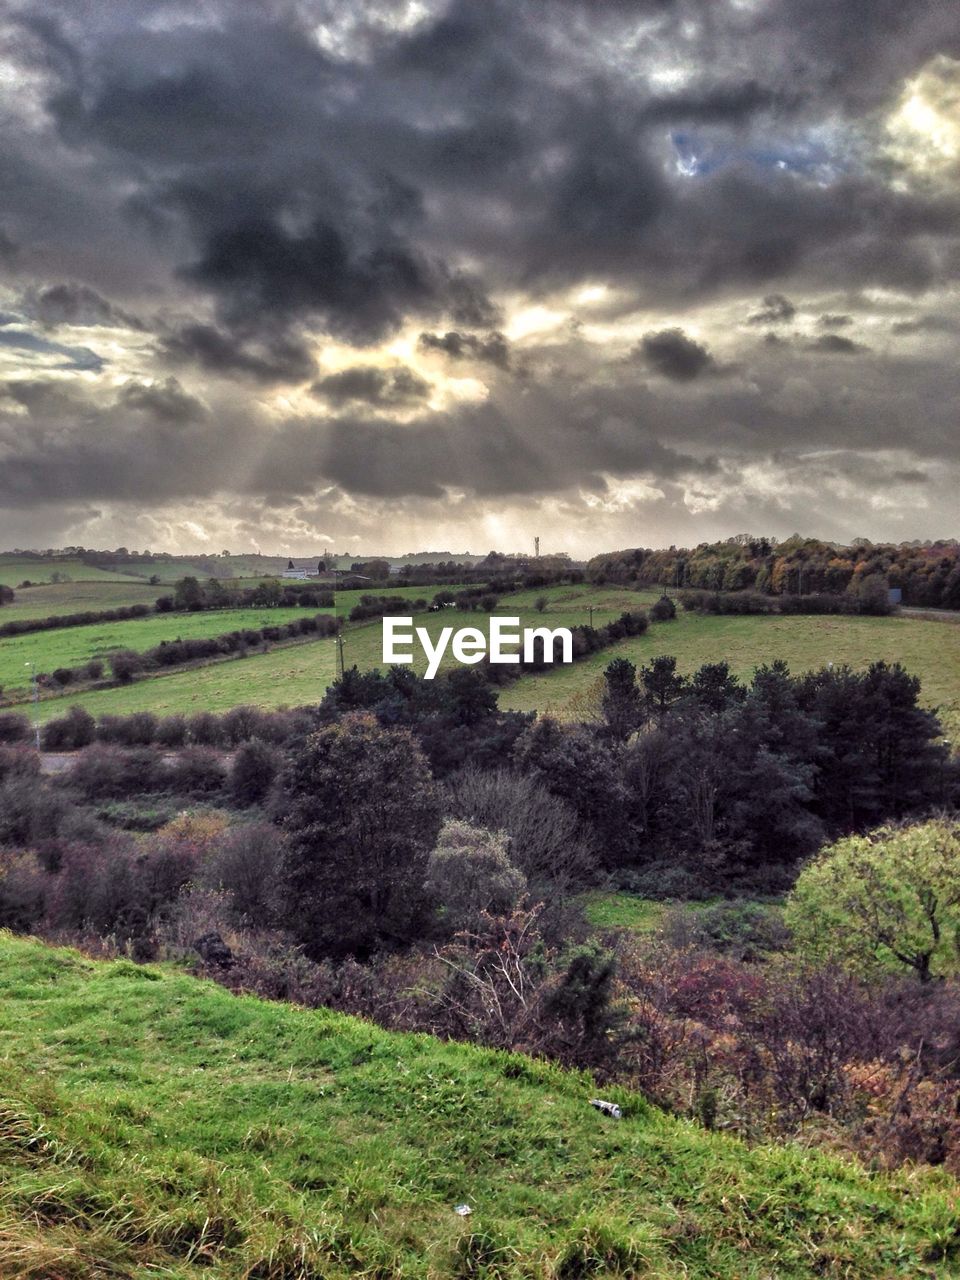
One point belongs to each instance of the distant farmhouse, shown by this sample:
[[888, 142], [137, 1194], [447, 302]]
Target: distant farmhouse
[[292, 571]]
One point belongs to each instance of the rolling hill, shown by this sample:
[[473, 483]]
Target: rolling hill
[[154, 1125]]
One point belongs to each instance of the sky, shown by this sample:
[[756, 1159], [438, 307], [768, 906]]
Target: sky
[[452, 274]]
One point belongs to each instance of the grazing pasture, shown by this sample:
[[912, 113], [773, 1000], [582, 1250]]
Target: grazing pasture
[[928, 649], [77, 597], [15, 569], [71, 646]]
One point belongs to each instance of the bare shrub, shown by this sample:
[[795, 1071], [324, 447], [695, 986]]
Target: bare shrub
[[546, 840], [245, 865]]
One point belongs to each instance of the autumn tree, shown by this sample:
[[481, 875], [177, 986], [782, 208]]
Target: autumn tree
[[888, 899]]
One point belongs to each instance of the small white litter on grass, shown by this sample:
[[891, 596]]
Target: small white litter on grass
[[608, 1108]]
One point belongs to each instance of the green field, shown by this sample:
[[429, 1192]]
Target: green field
[[77, 597], [153, 1125], [294, 674], [14, 569], [930, 650], [71, 646], [618, 910], [567, 607], [927, 649]]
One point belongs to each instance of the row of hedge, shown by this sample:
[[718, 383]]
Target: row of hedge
[[127, 663], [754, 602], [143, 729], [191, 596], [586, 640], [470, 599], [25, 626]]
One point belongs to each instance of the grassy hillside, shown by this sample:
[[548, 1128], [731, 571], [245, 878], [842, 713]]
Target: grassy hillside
[[931, 650], [71, 646], [77, 597], [151, 1125], [927, 649], [14, 569], [293, 675]]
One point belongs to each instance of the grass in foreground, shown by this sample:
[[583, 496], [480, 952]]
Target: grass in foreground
[[151, 1125]]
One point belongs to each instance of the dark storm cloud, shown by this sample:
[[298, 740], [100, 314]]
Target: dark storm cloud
[[280, 359], [492, 348], [776, 309], [830, 321], [835, 344], [8, 248], [264, 176], [379, 387], [259, 269], [166, 401], [674, 355], [926, 324], [75, 304]]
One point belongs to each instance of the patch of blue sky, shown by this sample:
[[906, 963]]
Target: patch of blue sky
[[32, 344], [698, 155]]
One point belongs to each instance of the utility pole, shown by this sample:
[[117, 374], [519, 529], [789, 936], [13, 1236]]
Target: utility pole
[[591, 615], [36, 699], [340, 659]]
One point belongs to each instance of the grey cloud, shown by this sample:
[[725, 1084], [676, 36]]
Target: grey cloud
[[674, 355], [75, 304], [926, 324], [385, 388], [831, 321], [835, 344], [776, 309], [493, 348], [166, 401], [278, 359], [232, 170]]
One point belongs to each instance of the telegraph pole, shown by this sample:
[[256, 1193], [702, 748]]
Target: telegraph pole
[[36, 699]]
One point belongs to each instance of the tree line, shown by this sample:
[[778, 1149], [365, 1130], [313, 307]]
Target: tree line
[[927, 574]]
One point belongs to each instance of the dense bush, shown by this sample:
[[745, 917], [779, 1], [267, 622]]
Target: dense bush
[[469, 873], [547, 841], [14, 727], [195, 771], [362, 815], [105, 771], [246, 866], [68, 733], [23, 891], [664, 610], [18, 762], [253, 773]]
